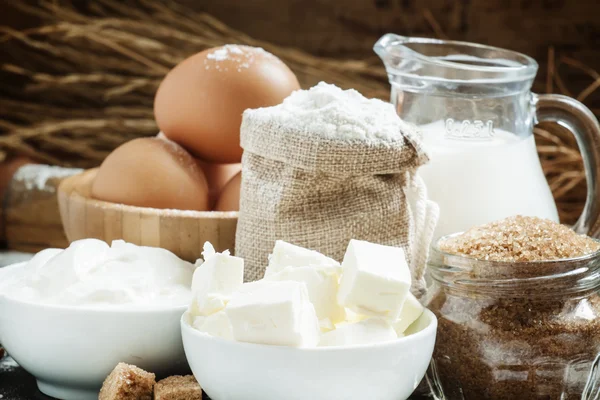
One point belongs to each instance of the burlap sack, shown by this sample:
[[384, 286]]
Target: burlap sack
[[320, 192]]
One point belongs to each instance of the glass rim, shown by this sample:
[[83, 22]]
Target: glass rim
[[493, 263], [515, 278], [525, 69]]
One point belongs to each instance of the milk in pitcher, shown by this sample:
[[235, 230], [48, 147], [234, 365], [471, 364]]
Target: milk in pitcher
[[476, 181]]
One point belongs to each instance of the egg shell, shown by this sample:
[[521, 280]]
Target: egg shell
[[217, 176], [229, 200], [152, 172], [200, 102]]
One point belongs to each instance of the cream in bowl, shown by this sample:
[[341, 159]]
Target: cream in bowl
[[310, 328], [69, 316]]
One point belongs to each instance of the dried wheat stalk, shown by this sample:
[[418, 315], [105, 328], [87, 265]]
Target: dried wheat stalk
[[90, 79]]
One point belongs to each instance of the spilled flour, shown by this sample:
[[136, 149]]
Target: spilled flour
[[236, 57], [36, 176], [8, 364]]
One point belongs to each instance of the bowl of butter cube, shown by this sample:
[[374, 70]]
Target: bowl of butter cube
[[312, 328]]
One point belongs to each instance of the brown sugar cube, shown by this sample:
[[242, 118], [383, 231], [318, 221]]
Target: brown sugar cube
[[178, 387], [128, 382]]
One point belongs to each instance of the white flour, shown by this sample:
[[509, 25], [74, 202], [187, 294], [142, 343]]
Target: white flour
[[8, 364], [242, 57], [331, 112], [222, 53], [36, 176]]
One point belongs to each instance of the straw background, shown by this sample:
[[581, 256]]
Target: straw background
[[81, 79]]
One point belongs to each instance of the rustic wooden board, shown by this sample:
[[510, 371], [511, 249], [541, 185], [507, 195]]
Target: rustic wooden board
[[333, 27], [30, 215], [349, 28]]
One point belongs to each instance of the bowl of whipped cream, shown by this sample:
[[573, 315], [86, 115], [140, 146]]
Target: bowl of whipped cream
[[312, 328], [69, 316]]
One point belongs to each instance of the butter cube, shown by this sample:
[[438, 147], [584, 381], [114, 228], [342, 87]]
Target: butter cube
[[216, 324], [289, 255], [322, 283], [375, 279], [275, 313], [326, 325], [208, 304], [372, 330], [214, 281], [411, 311], [352, 317]]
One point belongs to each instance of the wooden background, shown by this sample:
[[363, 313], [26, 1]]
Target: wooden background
[[348, 28], [566, 32]]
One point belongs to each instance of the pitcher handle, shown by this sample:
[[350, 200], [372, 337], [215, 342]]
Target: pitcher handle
[[578, 119]]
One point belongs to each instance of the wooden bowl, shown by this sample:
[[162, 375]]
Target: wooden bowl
[[182, 232]]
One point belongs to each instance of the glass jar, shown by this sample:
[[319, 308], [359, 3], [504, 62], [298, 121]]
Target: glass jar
[[473, 106], [514, 330]]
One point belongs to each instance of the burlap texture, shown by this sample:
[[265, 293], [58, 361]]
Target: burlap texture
[[319, 192]]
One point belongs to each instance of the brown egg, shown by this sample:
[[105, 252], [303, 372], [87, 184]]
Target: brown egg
[[230, 196], [217, 176], [200, 102], [152, 172]]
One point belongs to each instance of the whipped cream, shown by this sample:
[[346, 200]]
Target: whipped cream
[[91, 273]]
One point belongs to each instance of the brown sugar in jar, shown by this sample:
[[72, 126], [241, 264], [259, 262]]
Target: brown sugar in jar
[[518, 311]]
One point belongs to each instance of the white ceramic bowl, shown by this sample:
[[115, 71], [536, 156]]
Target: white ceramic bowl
[[230, 370], [71, 350]]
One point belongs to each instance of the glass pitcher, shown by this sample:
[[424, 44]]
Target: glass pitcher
[[474, 108]]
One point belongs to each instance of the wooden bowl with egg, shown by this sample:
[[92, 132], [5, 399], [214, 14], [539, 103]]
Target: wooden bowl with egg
[[194, 164], [182, 232]]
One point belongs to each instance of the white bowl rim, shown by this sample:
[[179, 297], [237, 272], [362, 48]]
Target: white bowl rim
[[100, 309], [12, 266], [430, 329], [115, 308]]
